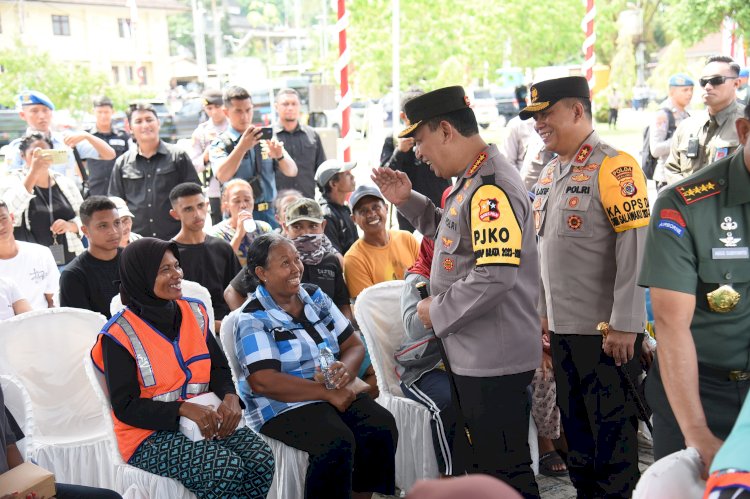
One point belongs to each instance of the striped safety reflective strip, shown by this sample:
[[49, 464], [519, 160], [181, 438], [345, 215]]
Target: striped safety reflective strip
[[172, 396], [197, 388], [141, 359], [198, 315]]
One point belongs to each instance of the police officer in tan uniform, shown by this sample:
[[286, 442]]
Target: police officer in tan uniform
[[708, 136], [590, 212], [484, 278]]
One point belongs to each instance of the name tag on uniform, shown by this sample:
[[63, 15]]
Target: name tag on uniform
[[117, 142], [741, 253]]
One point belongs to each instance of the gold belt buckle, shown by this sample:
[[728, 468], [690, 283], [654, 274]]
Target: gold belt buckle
[[739, 375]]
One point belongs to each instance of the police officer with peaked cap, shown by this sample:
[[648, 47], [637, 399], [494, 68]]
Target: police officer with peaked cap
[[484, 278], [697, 265], [591, 211]]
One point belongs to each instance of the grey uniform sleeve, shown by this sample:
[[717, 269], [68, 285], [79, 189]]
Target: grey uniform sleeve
[[409, 299], [511, 148], [658, 141], [541, 307], [629, 309], [421, 213]]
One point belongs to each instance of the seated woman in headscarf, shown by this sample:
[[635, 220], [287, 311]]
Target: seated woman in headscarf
[[43, 201], [279, 337], [157, 354]]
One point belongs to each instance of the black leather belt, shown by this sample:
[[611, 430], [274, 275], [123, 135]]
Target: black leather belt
[[723, 374]]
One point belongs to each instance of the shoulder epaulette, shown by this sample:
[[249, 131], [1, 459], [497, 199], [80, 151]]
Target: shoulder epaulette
[[697, 191], [476, 165]]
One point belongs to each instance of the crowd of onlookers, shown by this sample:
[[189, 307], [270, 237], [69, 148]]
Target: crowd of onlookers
[[284, 242]]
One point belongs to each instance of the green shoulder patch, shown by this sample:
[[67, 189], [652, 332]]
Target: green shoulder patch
[[692, 193]]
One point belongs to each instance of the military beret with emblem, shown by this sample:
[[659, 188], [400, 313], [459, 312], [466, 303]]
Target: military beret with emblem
[[680, 80], [436, 103], [32, 97], [546, 93]]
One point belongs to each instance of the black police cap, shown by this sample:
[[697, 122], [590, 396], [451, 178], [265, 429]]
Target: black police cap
[[435, 103], [546, 93]]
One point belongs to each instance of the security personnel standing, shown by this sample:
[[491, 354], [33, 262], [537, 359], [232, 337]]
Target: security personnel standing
[[666, 120], [697, 267], [100, 170], [707, 136], [484, 278], [591, 211]]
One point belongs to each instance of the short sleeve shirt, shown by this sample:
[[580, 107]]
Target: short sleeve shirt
[[267, 337]]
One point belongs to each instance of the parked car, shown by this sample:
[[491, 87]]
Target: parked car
[[484, 106], [187, 119], [11, 126], [506, 102]]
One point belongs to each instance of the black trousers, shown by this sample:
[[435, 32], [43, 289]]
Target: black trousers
[[496, 410], [350, 451], [722, 400], [598, 415]]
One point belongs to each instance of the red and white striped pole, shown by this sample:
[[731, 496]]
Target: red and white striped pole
[[588, 44], [342, 67]]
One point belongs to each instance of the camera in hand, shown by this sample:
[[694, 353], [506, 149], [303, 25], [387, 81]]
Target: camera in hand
[[266, 133]]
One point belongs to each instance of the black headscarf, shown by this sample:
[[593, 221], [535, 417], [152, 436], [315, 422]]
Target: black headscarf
[[139, 265]]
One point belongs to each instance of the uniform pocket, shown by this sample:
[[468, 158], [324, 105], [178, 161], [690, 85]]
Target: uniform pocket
[[576, 221]]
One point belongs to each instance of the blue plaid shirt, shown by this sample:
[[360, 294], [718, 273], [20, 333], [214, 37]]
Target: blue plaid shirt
[[267, 337]]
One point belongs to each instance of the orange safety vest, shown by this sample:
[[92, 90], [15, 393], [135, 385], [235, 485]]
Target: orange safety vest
[[167, 371]]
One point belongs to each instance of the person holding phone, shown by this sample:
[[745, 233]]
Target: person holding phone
[[247, 152], [44, 203]]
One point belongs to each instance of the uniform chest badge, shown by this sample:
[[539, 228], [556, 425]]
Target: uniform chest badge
[[575, 222], [729, 225], [583, 153], [488, 210], [592, 167], [453, 211], [573, 202], [447, 242], [468, 183], [537, 203], [548, 176], [580, 177], [448, 264], [460, 198]]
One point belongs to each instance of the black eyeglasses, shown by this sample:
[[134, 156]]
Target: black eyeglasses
[[715, 81]]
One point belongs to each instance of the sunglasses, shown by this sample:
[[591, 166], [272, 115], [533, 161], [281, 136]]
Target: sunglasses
[[715, 81]]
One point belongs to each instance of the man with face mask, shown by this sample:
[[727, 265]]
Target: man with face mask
[[36, 109], [305, 226]]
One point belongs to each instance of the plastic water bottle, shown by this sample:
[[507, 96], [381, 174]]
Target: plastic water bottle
[[326, 361], [249, 225]]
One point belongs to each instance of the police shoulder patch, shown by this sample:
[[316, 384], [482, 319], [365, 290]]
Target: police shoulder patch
[[622, 186], [697, 191], [496, 233]]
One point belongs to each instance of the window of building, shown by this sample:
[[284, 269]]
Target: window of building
[[61, 25], [123, 27], [130, 74], [115, 75]]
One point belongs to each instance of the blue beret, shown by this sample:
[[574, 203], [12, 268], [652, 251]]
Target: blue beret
[[31, 97], [681, 80], [745, 73]]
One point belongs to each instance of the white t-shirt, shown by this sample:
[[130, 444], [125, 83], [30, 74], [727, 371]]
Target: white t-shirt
[[34, 271], [9, 294]]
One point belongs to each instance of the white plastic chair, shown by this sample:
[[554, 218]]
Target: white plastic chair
[[378, 313], [291, 463], [190, 289], [125, 475], [65, 431], [18, 402], [676, 476]]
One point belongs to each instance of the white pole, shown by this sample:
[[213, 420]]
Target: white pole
[[200, 42], [396, 75]]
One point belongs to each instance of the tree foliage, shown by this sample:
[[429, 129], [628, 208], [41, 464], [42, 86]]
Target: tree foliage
[[691, 20]]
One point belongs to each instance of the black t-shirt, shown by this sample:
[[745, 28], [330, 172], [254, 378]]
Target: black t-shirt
[[212, 264], [39, 217], [340, 229], [101, 169], [327, 275], [89, 283]]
